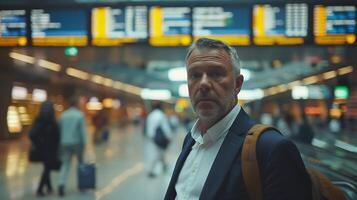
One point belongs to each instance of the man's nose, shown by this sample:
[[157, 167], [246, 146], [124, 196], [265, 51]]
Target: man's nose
[[205, 82]]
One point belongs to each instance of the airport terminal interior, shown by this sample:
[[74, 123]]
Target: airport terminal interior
[[117, 57]]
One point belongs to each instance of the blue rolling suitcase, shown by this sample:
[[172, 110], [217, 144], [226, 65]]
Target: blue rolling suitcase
[[86, 176], [105, 135]]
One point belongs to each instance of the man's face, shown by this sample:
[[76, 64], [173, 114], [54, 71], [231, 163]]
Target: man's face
[[213, 85]]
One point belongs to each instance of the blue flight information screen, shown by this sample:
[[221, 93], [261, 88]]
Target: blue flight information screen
[[170, 26], [116, 26], [335, 24], [59, 27], [230, 24], [13, 28], [283, 25]]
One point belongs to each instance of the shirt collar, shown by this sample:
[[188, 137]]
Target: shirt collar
[[218, 130]]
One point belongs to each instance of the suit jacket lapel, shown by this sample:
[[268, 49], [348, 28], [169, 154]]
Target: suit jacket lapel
[[226, 155], [189, 141]]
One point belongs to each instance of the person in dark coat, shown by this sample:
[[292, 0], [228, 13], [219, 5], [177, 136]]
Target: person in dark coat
[[306, 132], [44, 135]]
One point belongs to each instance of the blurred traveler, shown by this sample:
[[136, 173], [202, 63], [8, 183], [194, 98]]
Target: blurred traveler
[[44, 135], [187, 122], [143, 117], [100, 122], [209, 166], [155, 153], [73, 137], [306, 132], [283, 125], [266, 118], [174, 122], [334, 126]]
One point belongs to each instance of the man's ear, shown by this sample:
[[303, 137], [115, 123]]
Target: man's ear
[[239, 83]]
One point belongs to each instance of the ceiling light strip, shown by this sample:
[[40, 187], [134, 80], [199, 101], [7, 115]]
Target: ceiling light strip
[[77, 73], [345, 70], [329, 75], [49, 65], [22, 57]]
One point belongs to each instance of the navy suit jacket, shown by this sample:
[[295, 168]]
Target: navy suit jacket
[[283, 173]]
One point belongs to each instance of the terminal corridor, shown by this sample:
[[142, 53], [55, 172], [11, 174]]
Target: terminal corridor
[[120, 166], [107, 96]]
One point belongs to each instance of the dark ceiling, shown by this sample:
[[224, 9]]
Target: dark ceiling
[[146, 2]]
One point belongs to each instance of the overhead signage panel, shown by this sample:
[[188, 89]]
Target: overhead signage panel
[[280, 25], [116, 26], [13, 28], [170, 26], [334, 24], [59, 27], [231, 25]]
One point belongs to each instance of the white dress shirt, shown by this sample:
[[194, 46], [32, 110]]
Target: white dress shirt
[[195, 170]]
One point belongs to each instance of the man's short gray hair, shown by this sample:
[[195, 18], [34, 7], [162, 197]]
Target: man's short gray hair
[[206, 43]]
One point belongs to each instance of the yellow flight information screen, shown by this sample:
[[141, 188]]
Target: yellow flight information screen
[[170, 26], [280, 25], [13, 28], [229, 24], [56, 27], [334, 24], [116, 26]]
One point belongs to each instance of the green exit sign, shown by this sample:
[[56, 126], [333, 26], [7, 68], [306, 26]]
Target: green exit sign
[[70, 51], [341, 92]]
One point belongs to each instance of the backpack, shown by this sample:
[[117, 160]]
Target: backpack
[[322, 187]]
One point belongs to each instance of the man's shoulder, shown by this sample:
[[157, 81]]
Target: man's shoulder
[[272, 142], [271, 138], [71, 112]]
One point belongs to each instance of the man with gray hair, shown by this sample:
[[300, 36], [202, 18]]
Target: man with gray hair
[[209, 166]]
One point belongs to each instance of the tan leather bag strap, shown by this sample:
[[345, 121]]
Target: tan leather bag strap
[[250, 168], [322, 188]]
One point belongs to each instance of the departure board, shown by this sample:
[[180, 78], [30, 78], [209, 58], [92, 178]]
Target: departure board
[[59, 27], [115, 26], [335, 24], [281, 25], [170, 26], [231, 25], [13, 28]]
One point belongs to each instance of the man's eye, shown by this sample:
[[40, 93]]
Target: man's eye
[[216, 74], [194, 76]]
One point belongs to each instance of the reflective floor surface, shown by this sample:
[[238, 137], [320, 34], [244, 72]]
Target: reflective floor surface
[[120, 169]]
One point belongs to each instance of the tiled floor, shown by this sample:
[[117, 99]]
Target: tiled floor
[[119, 163]]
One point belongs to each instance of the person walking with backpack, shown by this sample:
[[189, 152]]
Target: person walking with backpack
[[158, 135], [44, 135], [73, 138], [209, 166]]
